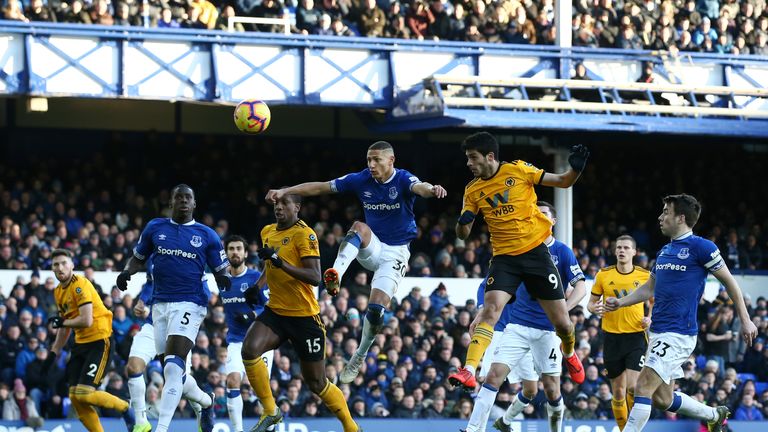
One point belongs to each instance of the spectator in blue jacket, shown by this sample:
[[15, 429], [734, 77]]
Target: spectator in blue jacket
[[747, 410], [705, 29]]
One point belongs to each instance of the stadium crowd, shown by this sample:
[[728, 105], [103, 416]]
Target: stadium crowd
[[97, 214], [715, 26]]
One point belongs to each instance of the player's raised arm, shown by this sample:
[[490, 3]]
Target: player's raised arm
[[577, 292], [577, 160], [303, 189], [428, 190], [643, 293], [748, 329]]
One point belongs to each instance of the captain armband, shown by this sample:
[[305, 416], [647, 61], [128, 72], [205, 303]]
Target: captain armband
[[466, 217]]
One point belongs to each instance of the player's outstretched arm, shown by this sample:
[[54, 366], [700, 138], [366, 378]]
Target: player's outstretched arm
[[133, 266], [748, 328], [428, 190], [643, 293], [304, 189], [577, 160]]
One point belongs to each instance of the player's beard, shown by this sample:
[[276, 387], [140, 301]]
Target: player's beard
[[236, 262]]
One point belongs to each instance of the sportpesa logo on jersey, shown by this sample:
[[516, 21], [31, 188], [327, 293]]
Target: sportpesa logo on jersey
[[671, 266], [381, 206], [176, 252], [233, 300]]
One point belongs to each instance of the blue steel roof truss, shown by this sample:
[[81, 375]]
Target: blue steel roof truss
[[202, 89], [38, 83]]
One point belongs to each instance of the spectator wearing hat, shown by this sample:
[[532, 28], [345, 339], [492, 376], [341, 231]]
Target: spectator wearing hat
[[580, 409], [20, 407], [357, 407], [439, 299]]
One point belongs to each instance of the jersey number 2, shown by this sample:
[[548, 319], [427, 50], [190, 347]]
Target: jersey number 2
[[92, 368]]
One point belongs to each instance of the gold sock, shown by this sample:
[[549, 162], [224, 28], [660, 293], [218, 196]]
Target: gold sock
[[630, 399], [620, 412], [259, 378], [481, 338], [100, 398], [86, 413], [569, 340], [333, 398]]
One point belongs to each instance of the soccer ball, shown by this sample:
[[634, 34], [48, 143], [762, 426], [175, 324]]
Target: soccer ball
[[252, 116]]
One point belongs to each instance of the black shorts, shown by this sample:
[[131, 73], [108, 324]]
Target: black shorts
[[307, 334], [88, 363], [622, 351], [535, 268]]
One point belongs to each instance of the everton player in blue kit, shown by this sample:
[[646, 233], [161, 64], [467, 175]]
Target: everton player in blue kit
[[241, 306], [381, 243], [528, 348], [181, 249], [677, 283]]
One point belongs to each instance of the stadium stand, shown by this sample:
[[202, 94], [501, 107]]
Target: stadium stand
[[729, 27], [49, 200]]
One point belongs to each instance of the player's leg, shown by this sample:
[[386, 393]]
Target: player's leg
[[388, 264], [235, 370], [501, 284], [142, 351], [633, 362], [357, 238], [314, 374], [542, 280], [176, 327], [647, 382], [665, 398], [548, 362], [618, 401], [85, 412], [95, 358], [555, 405], [266, 334], [486, 397]]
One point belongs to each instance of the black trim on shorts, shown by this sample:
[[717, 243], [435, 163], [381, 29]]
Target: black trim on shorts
[[307, 333], [88, 363], [535, 268], [622, 351]]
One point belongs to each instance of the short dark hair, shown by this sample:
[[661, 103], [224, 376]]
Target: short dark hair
[[628, 238], [483, 142], [234, 239], [549, 206], [381, 145], [686, 205], [182, 186], [61, 252]]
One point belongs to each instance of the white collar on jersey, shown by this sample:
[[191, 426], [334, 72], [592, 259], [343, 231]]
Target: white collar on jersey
[[192, 222], [549, 245], [682, 236], [394, 172], [238, 275]]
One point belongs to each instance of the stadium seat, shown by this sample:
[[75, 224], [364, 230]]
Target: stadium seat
[[744, 377], [701, 361], [760, 387]]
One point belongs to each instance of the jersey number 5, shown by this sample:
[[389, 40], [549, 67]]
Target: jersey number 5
[[185, 319]]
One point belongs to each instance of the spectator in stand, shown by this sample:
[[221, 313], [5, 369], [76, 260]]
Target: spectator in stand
[[704, 30], [419, 18], [13, 11], [307, 17], [748, 410], [37, 11], [20, 407], [269, 9], [207, 13], [166, 21]]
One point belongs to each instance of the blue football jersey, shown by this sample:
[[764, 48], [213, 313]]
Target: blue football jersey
[[388, 206], [234, 303], [680, 274], [525, 310], [181, 254]]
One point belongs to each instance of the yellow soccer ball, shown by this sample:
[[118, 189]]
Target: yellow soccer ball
[[252, 116]]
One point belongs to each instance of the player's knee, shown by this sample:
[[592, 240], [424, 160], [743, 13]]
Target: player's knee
[[233, 381], [249, 351], [134, 367], [530, 389], [375, 314], [317, 385], [172, 363], [662, 400], [551, 387], [495, 377], [490, 313], [361, 228], [563, 325]]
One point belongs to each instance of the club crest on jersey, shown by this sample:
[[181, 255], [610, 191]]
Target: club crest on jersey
[[196, 241], [392, 192], [509, 182], [490, 281], [78, 290], [636, 283], [286, 240], [683, 254], [312, 237], [244, 287], [161, 237], [555, 259]]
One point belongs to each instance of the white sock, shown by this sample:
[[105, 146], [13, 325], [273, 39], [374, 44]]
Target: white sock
[[235, 409], [481, 411], [137, 388], [173, 371], [471, 369], [639, 415], [555, 414], [519, 402], [690, 407], [193, 393], [347, 253]]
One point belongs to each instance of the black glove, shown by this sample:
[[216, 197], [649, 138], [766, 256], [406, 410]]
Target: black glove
[[47, 363], [222, 281], [122, 280], [578, 157], [56, 321], [268, 253], [252, 296], [245, 318]]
